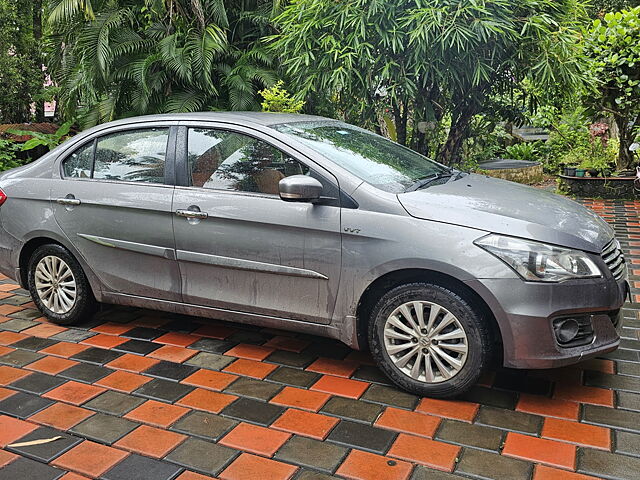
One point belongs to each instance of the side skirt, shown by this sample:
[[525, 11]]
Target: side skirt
[[228, 315]]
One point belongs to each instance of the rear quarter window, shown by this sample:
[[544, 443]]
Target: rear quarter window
[[79, 163]]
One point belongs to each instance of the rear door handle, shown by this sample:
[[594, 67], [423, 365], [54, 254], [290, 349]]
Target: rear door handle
[[192, 214], [69, 201]]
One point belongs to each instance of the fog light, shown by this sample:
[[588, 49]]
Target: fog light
[[566, 330]]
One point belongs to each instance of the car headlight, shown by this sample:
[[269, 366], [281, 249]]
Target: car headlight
[[539, 262]]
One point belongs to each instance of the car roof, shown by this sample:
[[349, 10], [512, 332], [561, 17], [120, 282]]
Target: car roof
[[261, 118]]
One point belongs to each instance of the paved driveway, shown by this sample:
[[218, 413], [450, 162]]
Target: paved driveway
[[146, 395]]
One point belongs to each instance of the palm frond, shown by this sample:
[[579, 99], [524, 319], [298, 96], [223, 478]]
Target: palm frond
[[185, 101], [62, 11]]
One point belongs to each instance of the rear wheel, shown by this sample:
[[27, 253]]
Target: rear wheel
[[58, 285], [429, 339]]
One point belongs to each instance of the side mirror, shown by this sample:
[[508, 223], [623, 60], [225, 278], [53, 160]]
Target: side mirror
[[300, 188]]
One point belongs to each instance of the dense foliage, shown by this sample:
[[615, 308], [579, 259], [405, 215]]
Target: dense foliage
[[613, 46], [8, 155], [21, 76], [116, 58], [427, 60], [601, 7], [448, 78]]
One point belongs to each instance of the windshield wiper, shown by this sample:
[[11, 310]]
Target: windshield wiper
[[425, 181]]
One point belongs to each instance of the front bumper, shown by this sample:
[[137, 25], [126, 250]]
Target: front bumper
[[525, 312]]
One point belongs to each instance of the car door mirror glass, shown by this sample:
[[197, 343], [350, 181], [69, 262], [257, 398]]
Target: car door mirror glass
[[300, 188]]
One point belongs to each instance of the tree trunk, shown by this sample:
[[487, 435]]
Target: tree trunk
[[37, 54], [426, 108], [625, 136], [400, 115], [449, 154]]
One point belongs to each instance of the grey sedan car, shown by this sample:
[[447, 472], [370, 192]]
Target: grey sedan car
[[313, 225]]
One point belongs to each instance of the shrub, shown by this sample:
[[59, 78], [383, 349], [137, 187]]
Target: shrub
[[8, 157], [567, 133], [277, 99], [522, 151], [49, 140]]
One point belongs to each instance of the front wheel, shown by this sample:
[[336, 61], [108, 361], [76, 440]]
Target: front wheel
[[58, 285], [429, 340]]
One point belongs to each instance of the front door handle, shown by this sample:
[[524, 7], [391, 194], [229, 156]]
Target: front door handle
[[69, 200], [192, 214]]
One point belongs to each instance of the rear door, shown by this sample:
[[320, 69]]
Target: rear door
[[239, 246], [114, 203]]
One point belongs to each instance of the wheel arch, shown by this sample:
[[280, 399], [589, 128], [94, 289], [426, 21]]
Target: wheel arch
[[396, 278], [27, 251], [37, 241]]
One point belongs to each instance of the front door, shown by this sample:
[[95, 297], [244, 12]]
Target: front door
[[114, 205], [239, 246]]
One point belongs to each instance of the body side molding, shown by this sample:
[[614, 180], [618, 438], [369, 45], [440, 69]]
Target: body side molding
[[154, 250], [241, 264]]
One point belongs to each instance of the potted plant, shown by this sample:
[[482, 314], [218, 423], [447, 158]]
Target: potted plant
[[570, 170]]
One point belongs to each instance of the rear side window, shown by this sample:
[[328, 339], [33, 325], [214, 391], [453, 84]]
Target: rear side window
[[79, 164], [132, 156], [128, 156]]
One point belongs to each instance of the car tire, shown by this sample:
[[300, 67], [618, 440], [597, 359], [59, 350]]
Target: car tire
[[449, 358], [58, 285]]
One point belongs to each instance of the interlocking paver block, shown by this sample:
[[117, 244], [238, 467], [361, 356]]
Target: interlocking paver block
[[438, 455], [359, 435], [369, 466], [311, 453], [47, 451], [609, 465], [104, 428], [255, 439], [205, 425], [142, 468], [540, 450], [202, 456], [305, 423], [478, 463], [462, 433], [61, 415], [89, 458], [250, 467]]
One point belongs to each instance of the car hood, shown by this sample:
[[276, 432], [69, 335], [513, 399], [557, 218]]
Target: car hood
[[499, 206]]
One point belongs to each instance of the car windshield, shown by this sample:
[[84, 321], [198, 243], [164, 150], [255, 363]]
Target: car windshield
[[376, 160]]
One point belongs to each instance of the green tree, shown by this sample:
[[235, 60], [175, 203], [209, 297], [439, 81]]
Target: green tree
[[116, 58], [613, 45], [598, 8], [21, 76], [427, 61]]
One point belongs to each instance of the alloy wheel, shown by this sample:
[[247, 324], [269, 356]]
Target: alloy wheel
[[55, 284], [425, 341]]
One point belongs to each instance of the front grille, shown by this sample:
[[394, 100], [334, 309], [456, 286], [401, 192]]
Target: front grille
[[613, 257]]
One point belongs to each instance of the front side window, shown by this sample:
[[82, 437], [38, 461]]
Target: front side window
[[224, 160], [132, 156]]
